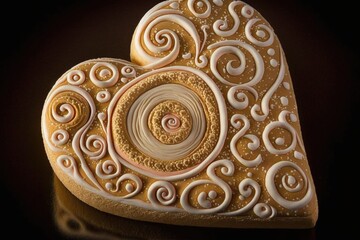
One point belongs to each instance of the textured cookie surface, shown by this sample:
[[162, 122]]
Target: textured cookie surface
[[200, 129]]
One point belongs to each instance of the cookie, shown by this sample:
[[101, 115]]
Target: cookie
[[200, 129]]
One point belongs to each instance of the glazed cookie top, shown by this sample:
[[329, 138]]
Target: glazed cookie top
[[203, 121]]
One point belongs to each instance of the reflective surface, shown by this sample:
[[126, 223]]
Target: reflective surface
[[49, 38]]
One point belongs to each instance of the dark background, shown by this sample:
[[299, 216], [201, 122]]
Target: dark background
[[41, 41]]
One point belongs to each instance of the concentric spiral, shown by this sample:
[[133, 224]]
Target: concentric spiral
[[69, 109], [174, 113]]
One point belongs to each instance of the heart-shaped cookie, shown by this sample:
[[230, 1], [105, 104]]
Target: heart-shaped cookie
[[200, 129]]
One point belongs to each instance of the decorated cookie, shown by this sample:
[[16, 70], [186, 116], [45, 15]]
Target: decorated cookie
[[200, 129]]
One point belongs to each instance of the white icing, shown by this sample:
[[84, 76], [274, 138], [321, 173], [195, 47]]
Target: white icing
[[260, 33], [103, 96], [220, 26], [264, 210], [266, 99], [284, 101], [227, 169], [271, 52], [174, 5], [247, 11], [69, 166], [142, 137], [96, 142], [109, 72], [186, 56], [280, 141], [255, 143], [203, 201], [67, 109], [129, 187], [60, 137], [246, 189], [200, 4], [167, 40], [102, 116], [282, 123], [298, 155], [224, 47], [238, 99], [170, 123], [218, 3], [107, 169], [76, 77], [161, 193], [128, 72], [251, 38], [274, 193], [286, 85], [222, 115], [127, 177], [293, 117], [212, 194], [288, 183], [274, 63]]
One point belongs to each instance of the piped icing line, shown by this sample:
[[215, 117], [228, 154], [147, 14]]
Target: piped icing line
[[142, 137], [265, 102], [282, 123], [205, 14], [142, 34], [252, 39], [225, 47], [161, 194], [220, 26], [254, 145], [264, 210], [222, 116], [227, 169], [246, 187], [79, 136], [274, 193]]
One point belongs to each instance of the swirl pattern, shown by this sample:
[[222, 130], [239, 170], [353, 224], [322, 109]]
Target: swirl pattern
[[149, 105], [203, 121], [291, 185]]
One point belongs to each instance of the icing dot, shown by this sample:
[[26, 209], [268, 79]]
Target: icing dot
[[200, 4], [271, 52], [186, 56], [260, 33], [291, 180], [247, 11], [284, 101], [212, 194], [103, 96], [280, 141], [241, 197], [102, 116], [76, 77], [293, 117], [104, 73], [286, 85], [108, 186], [298, 155], [174, 5], [249, 174], [273, 63], [129, 187], [124, 80]]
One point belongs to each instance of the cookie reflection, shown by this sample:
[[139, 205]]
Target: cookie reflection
[[76, 220]]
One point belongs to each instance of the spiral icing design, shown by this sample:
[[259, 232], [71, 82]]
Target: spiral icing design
[[175, 113]]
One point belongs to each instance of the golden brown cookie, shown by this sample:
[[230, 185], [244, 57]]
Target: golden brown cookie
[[201, 128]]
